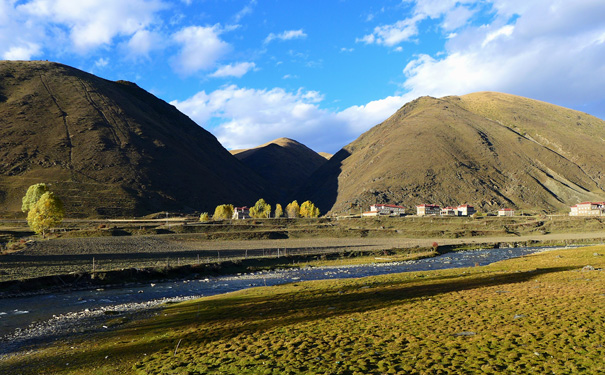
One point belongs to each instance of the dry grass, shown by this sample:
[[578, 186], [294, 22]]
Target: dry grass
[[536, 314]]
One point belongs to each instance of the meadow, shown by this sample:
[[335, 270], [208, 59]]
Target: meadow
[[537, 314]]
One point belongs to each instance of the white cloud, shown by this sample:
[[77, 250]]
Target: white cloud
[[363, 117], [549, 51], [503, 31], [201, 48], [454, 14], [142, 43], [93, 23], [233, 70], [102, 62], [390, 35], [23, 52], [250, 117], [286, 35], [245, 11]]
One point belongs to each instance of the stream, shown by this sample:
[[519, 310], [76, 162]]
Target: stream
[[19, 313]]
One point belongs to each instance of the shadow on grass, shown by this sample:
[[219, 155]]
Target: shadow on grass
[[223, 318]]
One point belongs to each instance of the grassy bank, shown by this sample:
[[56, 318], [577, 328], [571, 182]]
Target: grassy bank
[[538, 314]]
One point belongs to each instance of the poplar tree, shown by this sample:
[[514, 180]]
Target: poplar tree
[[223, 212], [46, 213], [293, 210], [308, 209], [32, 196], [261, 209], [278, 210]]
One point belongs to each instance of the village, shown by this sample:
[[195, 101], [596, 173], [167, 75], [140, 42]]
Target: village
[[580, 209]]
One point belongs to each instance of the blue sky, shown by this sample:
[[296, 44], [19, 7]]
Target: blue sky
[[320, 72]]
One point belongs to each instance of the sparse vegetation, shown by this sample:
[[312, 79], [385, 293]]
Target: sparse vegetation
[[536, 314]]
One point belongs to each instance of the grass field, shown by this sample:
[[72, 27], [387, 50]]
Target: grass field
[[537, 314]]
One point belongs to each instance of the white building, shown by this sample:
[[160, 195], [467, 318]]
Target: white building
[[449, 211], [428, 209], [385, 210], [588, 209], [465, 210], [241, 213], [506, 212]]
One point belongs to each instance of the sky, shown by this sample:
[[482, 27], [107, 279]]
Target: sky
[[319, 72]]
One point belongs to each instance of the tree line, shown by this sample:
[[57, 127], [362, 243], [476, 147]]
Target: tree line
[[262, 210]]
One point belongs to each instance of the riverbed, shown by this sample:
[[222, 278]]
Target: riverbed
[[41, 316]]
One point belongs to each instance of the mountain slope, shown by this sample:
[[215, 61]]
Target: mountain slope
[[284, 163], [108, 148], [486, 149]]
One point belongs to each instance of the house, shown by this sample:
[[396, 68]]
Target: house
[[388, 209], [506, 212], [428, 209], [465, 210], [370, 213], [240, 213], [449, 211], [588, 209]]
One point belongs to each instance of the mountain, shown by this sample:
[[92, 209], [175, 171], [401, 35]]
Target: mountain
[[325, 155], [284, 163], [108, 148], [486, 149]]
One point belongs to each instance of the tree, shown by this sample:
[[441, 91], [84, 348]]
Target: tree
[[204, 217], [32, 196], [46, 213], [223, 212], [278, 210], [308, 209], [293, 210], [261, 209]]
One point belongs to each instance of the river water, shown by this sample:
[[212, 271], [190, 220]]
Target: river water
[[18, 313]]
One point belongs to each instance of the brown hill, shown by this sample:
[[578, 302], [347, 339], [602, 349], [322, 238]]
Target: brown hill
[[325, 155], [108, 148], [487, 149], [284, 163]]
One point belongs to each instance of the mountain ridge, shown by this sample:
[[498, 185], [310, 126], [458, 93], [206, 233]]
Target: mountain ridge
[[447, 151], [108, 148], [284, 163]]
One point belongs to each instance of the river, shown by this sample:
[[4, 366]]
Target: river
[[16, 314]]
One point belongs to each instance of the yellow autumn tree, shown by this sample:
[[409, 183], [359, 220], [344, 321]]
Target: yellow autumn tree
[[308, 209], [293, 210], [46, 213], [32, 196], [278, 210], [204, 217], [223, 212], [261, 209]]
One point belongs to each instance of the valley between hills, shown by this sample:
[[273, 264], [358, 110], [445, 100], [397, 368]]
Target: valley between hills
[[134, 174]]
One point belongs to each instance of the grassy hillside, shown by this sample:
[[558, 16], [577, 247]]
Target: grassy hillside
[[537, 314], [108, 148], [489, 150]]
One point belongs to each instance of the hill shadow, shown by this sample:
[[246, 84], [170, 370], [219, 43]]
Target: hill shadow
[[322, 186]]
